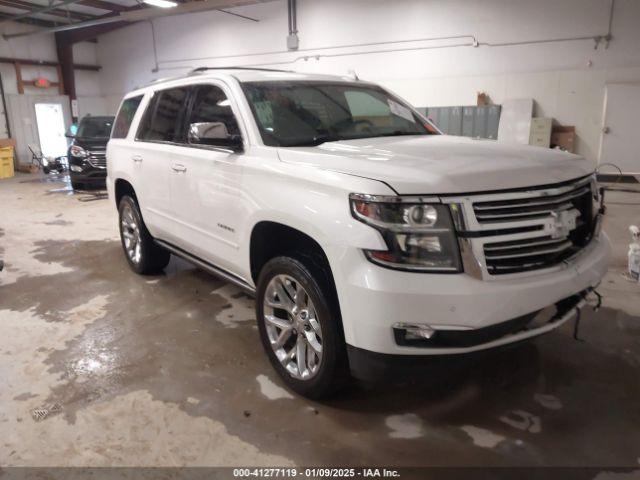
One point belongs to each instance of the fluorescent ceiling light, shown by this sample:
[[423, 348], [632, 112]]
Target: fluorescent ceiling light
[[161, 3]]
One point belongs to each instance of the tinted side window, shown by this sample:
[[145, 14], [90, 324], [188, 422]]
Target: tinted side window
[[211, 105], [125, 117], [163, 119]]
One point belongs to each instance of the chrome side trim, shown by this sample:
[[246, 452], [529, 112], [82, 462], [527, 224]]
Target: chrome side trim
[[471, 263], [204, 265]]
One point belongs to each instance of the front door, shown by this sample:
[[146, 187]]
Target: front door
[[206, 183]]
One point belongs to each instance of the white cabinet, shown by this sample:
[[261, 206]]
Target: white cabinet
[[540, 134]]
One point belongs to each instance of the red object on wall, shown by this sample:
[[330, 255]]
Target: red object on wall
[[41, 83]]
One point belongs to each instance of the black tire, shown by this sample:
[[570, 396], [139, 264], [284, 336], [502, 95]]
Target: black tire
[[150, 258], [315, 279], [77, 185]]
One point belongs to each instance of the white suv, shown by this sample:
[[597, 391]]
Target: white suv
[[370, 241]]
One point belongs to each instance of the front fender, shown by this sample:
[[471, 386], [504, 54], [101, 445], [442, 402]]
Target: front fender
[[314, 202]]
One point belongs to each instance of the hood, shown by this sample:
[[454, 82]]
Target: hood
[[91, 143], [440, 164]]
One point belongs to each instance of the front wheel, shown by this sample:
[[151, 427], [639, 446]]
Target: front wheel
[[144, 255], [299, 327]]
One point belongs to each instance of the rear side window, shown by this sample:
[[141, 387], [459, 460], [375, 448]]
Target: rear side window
[[163, 119], [125, 117]]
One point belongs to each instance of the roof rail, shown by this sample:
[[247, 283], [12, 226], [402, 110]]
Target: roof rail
[[198, 70], [204, 69], [161, 80]]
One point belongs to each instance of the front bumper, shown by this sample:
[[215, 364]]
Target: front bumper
[[372, 366], [82, 171], [373, 299]]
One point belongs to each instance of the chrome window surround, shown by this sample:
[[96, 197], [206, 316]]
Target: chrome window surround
[[472, 246]]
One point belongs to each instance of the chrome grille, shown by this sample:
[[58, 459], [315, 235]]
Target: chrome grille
[[526, 254], [527, 208], [527, 230], [97, 158]]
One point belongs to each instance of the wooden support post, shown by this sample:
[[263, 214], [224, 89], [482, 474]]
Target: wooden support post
[[60, 80], [65, 68], [19, 77]]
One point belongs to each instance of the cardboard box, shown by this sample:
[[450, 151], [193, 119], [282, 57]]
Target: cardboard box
[[564, 138], [8, 142]]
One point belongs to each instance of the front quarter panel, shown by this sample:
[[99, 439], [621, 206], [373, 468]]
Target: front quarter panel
[[309, 199]]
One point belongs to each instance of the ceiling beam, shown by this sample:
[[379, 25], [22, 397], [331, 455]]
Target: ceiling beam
[[48, 63], [30, 21], [142, 14], [57, 12], [36, 11], [88, 34], [104, 5]]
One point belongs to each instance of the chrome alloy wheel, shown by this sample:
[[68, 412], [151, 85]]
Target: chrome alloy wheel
[[292, 327], [131, 235]]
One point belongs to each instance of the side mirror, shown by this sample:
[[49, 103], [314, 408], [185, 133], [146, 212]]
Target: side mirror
[[214, 134]]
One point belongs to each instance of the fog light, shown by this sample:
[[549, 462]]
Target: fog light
[[75, 168], [415, 331]]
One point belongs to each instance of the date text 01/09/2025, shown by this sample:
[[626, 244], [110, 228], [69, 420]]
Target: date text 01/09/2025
[[315, 473]]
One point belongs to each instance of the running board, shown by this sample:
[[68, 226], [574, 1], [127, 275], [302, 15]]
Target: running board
[[208, 267]]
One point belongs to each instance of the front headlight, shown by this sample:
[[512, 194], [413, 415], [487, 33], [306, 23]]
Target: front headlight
[[77, 151], [419, 236]]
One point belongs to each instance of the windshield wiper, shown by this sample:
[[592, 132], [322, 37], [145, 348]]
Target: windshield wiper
[[399, 133], [322, 138], [315, 141]]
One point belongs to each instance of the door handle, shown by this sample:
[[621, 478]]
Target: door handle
[[137, 159], [177, 167]]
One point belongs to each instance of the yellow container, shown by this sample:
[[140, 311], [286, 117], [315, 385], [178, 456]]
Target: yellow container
[[6, 162]]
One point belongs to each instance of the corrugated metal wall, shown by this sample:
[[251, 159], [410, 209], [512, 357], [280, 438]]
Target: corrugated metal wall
[[480, 122]]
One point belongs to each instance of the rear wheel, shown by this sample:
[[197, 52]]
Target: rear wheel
[[300, 327], [143, 254]]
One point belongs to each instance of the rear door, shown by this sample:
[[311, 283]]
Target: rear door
[[158, 140], [206, 188]]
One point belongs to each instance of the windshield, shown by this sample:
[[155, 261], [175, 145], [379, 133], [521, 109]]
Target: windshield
[[95, 127], [310, 113]]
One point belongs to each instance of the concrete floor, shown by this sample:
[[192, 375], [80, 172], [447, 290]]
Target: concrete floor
[[169, 371]]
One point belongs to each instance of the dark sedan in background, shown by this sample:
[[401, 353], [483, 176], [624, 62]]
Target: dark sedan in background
[[87, 152]]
